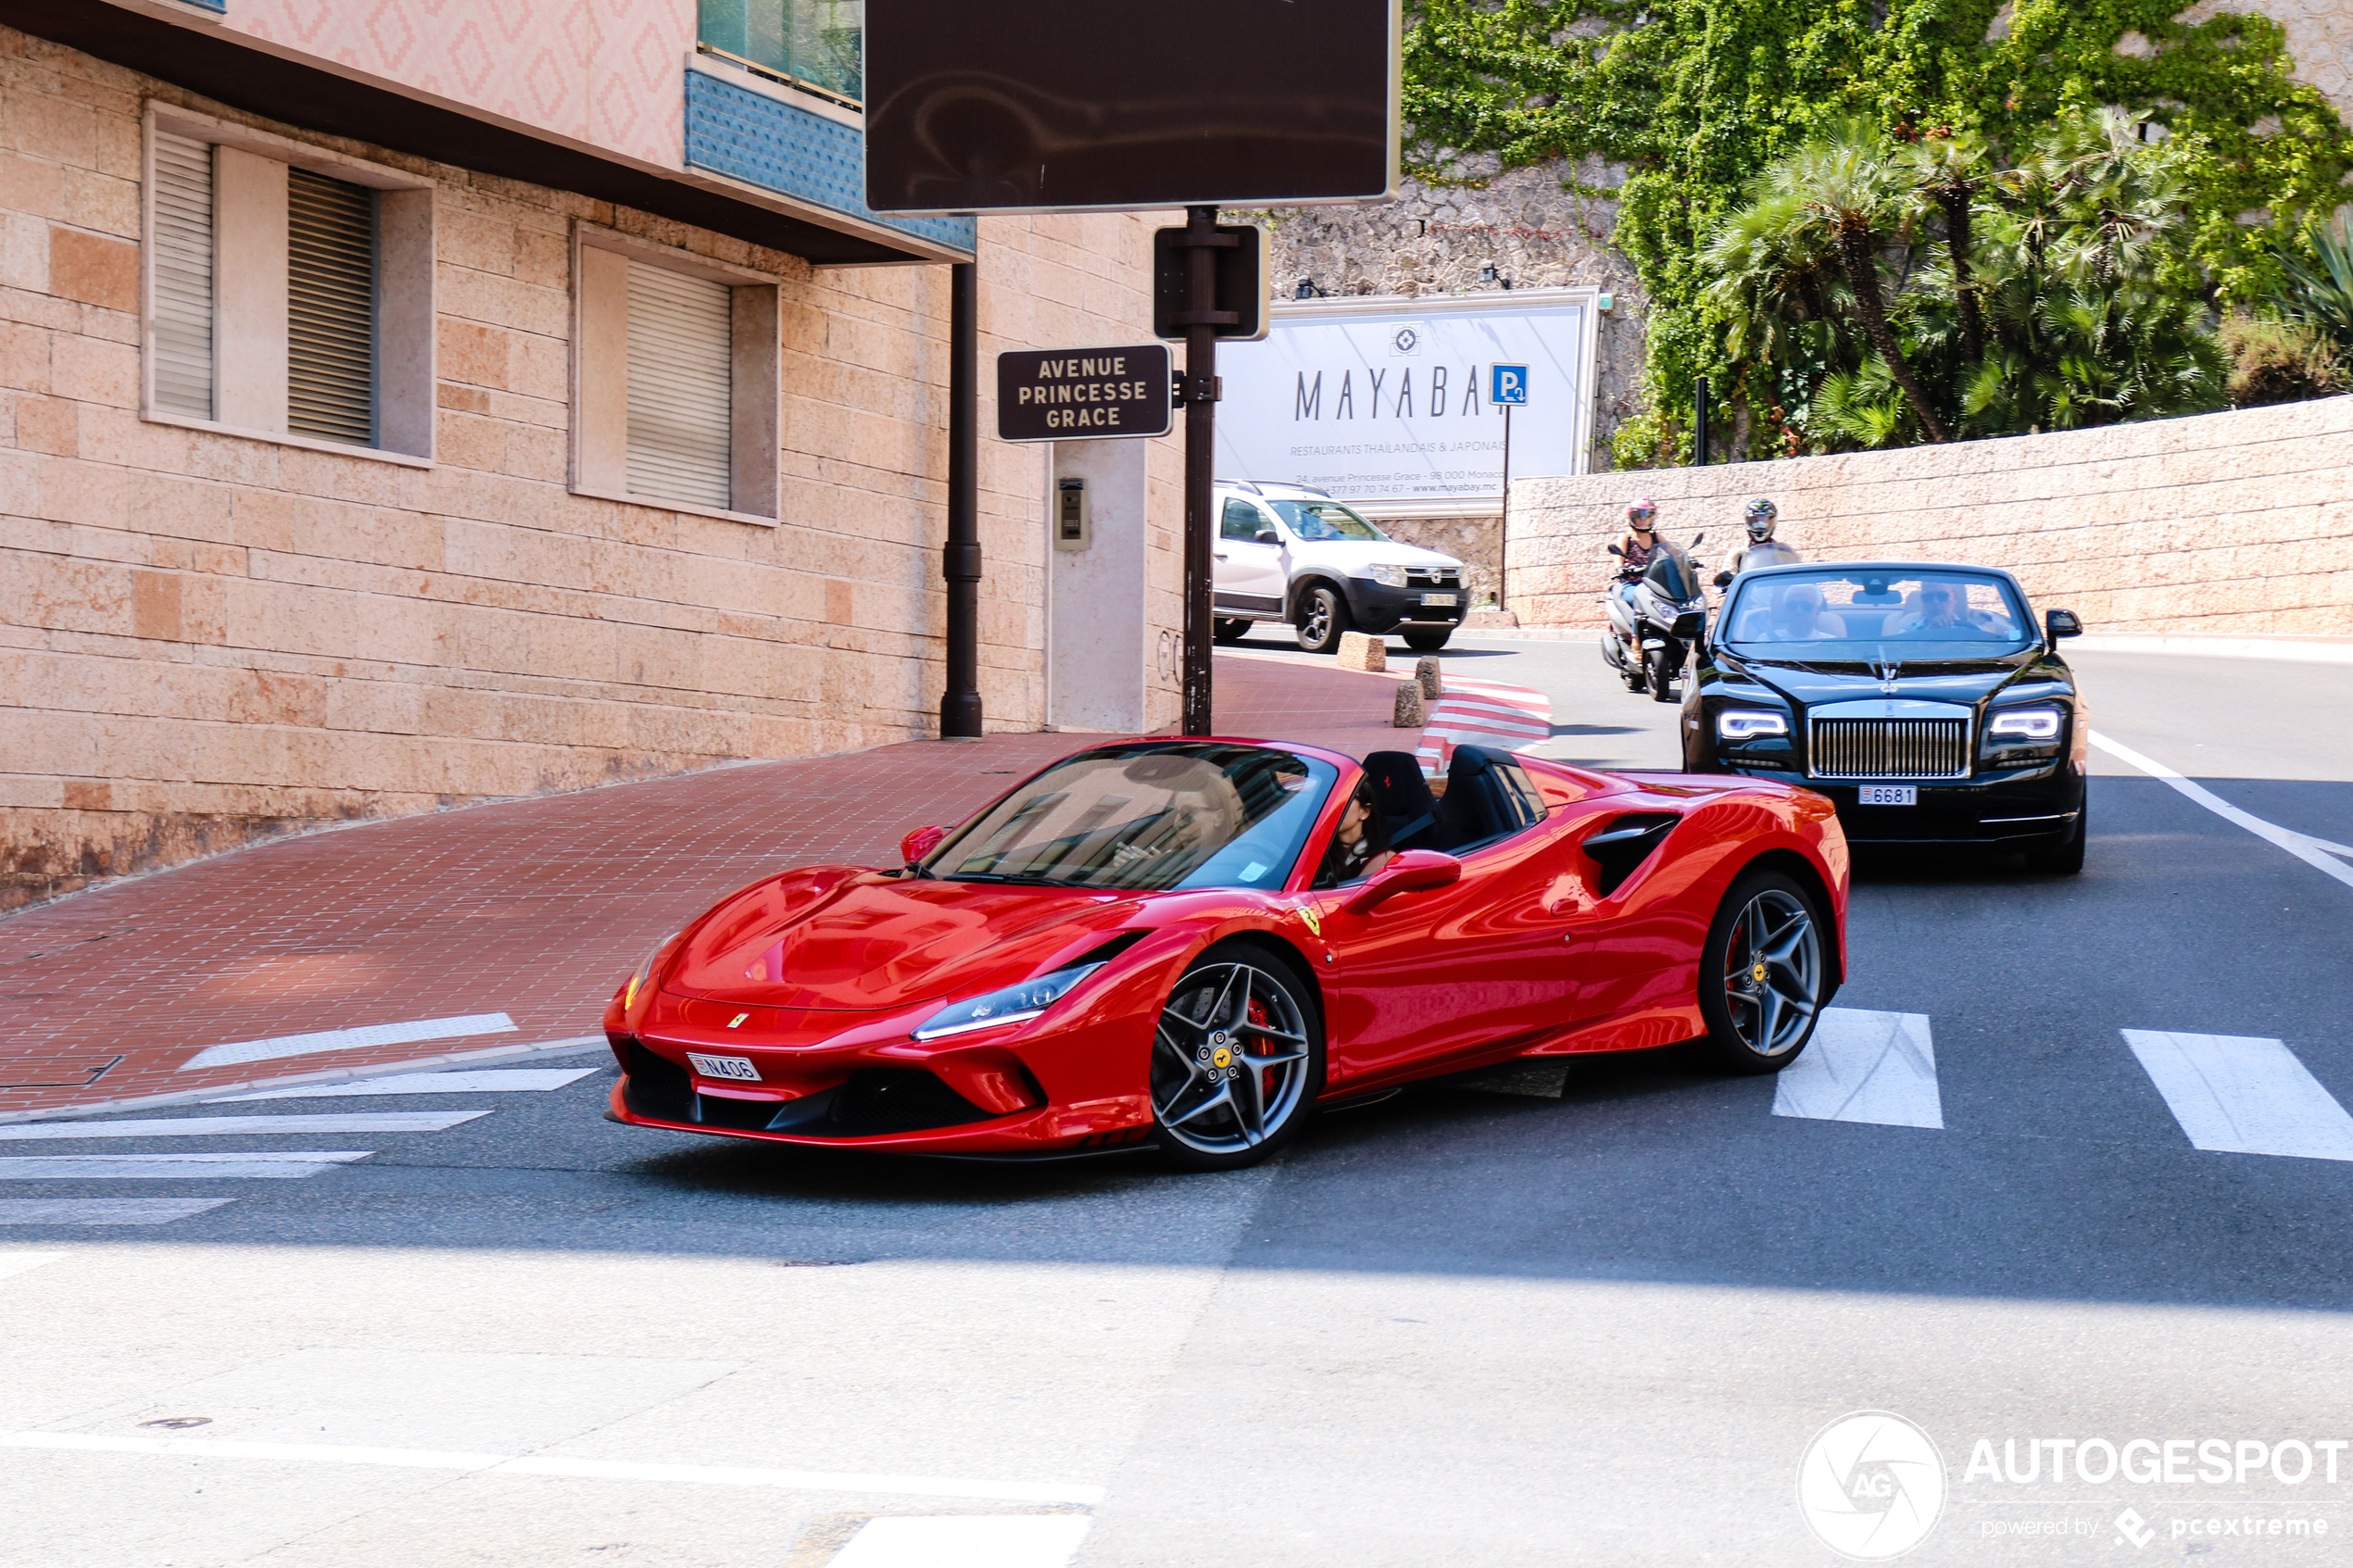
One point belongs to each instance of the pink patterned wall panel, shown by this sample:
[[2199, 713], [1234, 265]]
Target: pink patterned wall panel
[[608, 72]]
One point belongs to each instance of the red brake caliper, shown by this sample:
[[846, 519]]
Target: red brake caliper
[[1257, 1014]]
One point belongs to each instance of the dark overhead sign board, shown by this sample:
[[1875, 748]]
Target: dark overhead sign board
[[1244, 283], [1060, 105], [1082, 394]]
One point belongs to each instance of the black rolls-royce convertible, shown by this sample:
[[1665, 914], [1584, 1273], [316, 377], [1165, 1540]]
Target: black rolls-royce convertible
[[1922, 699]]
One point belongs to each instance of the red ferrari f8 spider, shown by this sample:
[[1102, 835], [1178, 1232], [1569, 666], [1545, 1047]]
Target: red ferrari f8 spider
[[1192, 943]]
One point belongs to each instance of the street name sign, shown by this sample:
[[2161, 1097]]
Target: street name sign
[[1083, 394], [1074, 105]]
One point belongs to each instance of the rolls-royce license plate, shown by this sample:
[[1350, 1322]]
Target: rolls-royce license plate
[[737, 1067], [1887, 794], [1445, 600]]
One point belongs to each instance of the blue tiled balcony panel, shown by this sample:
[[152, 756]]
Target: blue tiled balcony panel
[[749, 136], [220, 6]]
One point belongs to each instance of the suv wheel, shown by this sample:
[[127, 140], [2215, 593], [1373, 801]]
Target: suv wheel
[[1323, 617]]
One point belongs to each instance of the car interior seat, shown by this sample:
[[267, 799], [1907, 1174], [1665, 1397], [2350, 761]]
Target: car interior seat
[[1477, 807], [1404, 801]]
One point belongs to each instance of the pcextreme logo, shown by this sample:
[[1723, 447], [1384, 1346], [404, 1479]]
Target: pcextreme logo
[[1871, 1486]]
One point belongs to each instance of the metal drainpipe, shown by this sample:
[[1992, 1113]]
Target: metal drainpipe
[[960, 714]]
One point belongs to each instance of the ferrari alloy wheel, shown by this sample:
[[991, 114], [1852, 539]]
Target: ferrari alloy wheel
[[1236, 1060], [1323, 617], [1763, 975]]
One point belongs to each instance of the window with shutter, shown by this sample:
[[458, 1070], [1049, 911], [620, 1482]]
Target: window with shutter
[[331, 307], [681, 375], [182, 270]]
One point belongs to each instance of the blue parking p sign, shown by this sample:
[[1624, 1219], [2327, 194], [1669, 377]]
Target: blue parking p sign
[[1507, 385]]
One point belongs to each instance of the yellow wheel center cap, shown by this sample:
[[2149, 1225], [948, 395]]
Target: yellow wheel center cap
[[1223, 1058], [1757, 974]]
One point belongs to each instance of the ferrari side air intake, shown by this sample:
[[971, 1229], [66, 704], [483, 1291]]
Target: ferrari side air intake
[[1626, 844]]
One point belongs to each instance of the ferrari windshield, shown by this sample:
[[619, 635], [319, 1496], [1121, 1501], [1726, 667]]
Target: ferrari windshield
[[1874, 614], [1149, 815], [1321, 521]]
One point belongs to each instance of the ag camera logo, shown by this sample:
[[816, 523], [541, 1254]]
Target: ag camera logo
[[1871, 1486]]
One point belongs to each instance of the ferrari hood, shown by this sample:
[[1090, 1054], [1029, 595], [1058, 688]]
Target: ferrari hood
[[1966, 682], [838, 939]]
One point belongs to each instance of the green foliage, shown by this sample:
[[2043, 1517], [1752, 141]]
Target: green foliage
[[2318, 292], [2277, 361], [1698, 97]]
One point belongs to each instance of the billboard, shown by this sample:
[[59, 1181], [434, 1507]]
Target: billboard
[[1063, 106], [1384, 401]]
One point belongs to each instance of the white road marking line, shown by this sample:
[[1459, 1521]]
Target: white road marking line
[[2243, 1094], [590, 1469], [15, 1263], [350, 1039], [2311, 851], [513, 1080], [1860, 1066], [245, 1126], [970, 1540], [253, 1166], [103, 1210]]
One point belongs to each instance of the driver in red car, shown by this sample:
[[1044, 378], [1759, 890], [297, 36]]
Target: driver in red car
[[1356, 852]]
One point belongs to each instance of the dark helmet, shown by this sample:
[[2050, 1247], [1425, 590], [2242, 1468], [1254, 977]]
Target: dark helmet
[[1642, 514], [1759, 516]]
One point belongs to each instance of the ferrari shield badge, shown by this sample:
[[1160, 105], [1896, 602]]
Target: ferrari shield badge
[[1308, 918]]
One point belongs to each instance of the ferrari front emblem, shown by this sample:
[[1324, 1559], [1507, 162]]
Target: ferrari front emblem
[[1223, 1058], [737, 1022]]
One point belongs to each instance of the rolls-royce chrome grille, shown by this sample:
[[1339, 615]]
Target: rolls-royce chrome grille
[[1888, 748]]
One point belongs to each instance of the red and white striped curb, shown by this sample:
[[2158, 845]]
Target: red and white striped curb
[[1491, 713]]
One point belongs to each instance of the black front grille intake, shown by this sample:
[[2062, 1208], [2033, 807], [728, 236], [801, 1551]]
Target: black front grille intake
[[898, 1099], [656, 1086], [1888, 748]]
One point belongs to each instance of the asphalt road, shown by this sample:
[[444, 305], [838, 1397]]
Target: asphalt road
[[1472, 1324]]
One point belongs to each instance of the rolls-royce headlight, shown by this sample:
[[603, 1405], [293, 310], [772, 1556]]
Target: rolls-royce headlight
[[1013, 1003], [2025, 723], [1386, 576], [1747, 724]]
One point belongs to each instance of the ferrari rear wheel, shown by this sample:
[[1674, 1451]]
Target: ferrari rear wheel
[[1237, 1060], [1764, 975]]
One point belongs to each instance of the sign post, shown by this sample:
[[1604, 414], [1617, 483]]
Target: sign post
[[1506, 389]]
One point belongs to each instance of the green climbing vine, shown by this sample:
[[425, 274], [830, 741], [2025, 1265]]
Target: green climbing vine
[[1695, 98]]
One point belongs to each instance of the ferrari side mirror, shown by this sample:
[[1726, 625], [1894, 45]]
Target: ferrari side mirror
[[1412, 871], [920, 843], [2061, 623]]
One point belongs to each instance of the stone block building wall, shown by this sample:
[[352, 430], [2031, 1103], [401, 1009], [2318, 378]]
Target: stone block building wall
[[206, 638], [2232, 524]]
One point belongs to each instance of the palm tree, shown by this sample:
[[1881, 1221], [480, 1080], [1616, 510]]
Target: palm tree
[[1848, 189], [1949, 170]]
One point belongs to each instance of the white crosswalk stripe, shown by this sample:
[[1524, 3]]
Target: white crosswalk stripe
[[405, 1033], [244, 1126], [2244, 1095], [485, 1081], [249, 1165], [1860, 1066], [103, 1210]]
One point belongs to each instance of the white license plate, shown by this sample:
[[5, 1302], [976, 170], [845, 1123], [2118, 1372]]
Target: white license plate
[[1887, 794], [724, 1066], [1444, 599]]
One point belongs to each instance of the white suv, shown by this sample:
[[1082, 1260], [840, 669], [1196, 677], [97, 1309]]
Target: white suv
[[1291, 553]]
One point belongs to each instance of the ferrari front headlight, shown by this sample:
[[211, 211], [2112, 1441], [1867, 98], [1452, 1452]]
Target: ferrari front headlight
[[1013, 1003], [1386, 576], [643, 972]]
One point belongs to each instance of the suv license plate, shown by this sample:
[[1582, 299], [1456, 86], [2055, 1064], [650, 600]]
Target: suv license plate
[[737, 1067], [1445, 599], [1887, 794]]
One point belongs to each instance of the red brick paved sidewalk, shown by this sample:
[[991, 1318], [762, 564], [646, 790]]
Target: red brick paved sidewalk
[[534, 907]]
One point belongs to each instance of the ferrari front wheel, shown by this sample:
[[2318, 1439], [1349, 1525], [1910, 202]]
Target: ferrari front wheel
[[1764, 975], [1237, 1060]]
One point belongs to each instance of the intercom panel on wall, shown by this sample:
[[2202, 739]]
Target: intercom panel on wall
[[1072, 527]]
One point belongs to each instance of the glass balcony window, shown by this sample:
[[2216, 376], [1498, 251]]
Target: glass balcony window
[[816, 45]]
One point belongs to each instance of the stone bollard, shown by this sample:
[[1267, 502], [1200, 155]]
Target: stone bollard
[[1426, 672], [1408, 714], [1359, 651]]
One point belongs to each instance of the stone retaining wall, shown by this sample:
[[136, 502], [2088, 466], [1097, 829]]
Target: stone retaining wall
[[2234, 523]]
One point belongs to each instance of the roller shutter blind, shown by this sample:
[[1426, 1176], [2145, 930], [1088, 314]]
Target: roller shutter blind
[[680, 396], [184, 275], [330, 308]]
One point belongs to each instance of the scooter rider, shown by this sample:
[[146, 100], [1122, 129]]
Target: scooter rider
[[1762, 548], [1642, 543]]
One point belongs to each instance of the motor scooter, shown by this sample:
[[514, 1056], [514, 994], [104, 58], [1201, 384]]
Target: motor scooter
[[1654, 614]]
